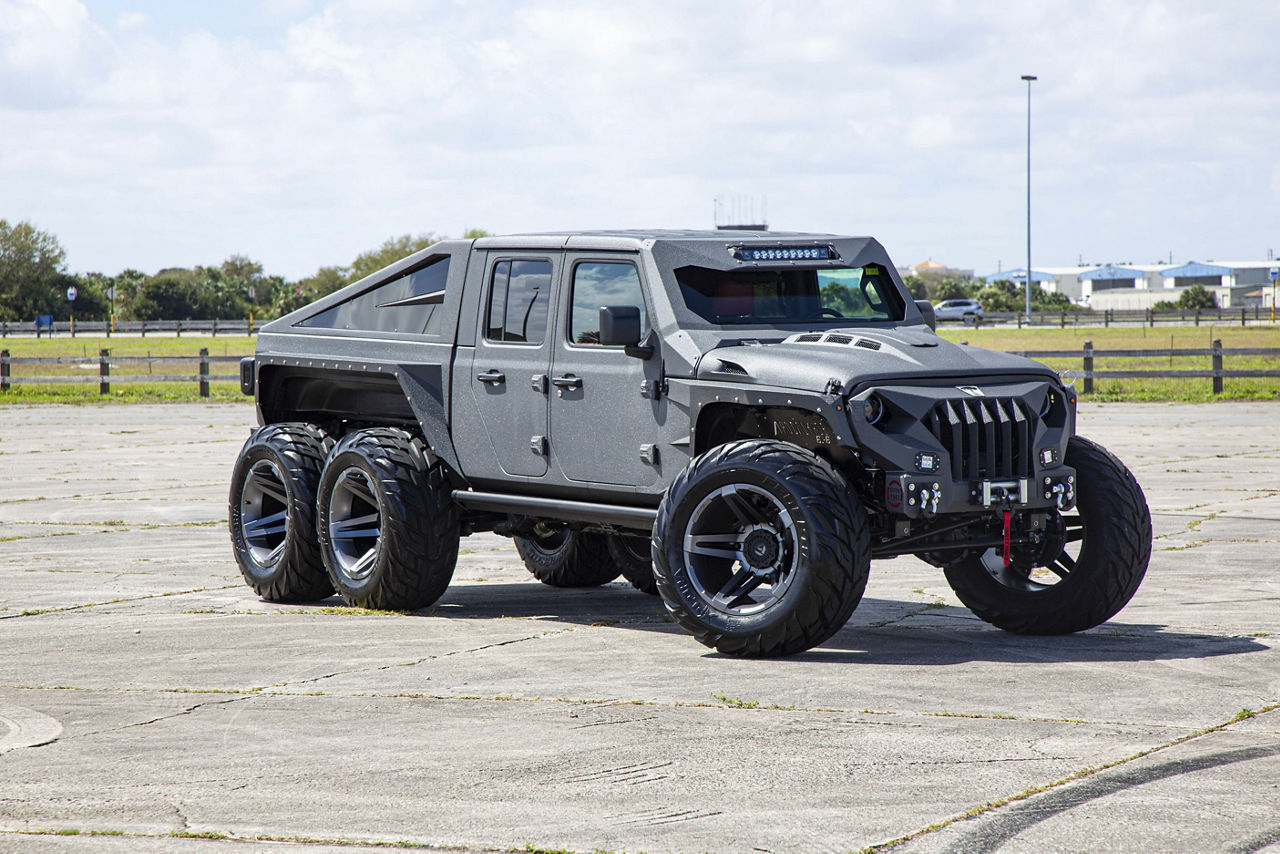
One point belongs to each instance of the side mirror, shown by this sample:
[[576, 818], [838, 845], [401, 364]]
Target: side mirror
[[926, 308], [619, 324]]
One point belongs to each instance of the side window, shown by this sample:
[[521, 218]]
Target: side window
[[597, 284], [408, 303], [519, 293]]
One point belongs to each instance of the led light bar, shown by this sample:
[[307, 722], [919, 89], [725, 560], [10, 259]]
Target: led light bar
[[783, 253]]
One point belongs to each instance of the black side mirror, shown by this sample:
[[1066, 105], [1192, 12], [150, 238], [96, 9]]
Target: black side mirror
[[619, 324], [926, 308]]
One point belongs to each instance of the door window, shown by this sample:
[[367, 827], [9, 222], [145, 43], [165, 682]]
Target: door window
[[597, 284], [519, 293]]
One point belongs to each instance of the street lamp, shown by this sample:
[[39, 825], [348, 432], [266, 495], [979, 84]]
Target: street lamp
[[1029, 78]]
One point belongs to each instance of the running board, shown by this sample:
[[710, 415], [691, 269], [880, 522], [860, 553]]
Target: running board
[[638, 518]]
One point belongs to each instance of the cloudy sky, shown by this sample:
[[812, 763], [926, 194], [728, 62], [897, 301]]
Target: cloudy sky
[[302, 132]]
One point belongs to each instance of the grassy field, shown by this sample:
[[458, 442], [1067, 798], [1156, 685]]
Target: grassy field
[[161, 351]]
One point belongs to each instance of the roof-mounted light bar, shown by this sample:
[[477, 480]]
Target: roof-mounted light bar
[[824, 252]]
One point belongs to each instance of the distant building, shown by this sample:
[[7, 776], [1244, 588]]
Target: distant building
[[933, 268], [1136, 286]]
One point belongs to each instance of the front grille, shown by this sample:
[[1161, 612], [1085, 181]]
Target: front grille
[[989, 438]]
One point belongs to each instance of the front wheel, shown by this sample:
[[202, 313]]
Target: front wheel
[[761, 549], [1090, 567]]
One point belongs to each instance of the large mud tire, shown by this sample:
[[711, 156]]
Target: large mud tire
[[568, 558], [387, 521], [1113, 533], [761, 549], [634, 556], [271, 512]]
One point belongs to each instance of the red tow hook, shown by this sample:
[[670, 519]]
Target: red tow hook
[[1007, 517]]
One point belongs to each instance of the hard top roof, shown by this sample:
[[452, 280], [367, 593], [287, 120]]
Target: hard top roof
[[637, 238]]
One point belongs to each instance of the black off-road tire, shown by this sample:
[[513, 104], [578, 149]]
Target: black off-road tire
[[568, 558], [271, 512], [1114, 531], [795, 500], [387, 521], [634, 556]]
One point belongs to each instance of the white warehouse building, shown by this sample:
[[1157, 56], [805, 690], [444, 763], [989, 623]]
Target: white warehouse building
[[1139, 286]]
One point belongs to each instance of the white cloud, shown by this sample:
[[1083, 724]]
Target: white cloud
[[360, 120]]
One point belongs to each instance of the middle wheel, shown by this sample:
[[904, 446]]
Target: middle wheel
[[563, 557], [387, 522], [761, 549]]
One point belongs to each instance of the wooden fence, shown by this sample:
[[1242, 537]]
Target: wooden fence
[[101, 328], [1244, 315], [104, 378], [1217, 353]]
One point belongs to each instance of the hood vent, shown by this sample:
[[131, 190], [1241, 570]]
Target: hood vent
[[840, 338], [727, 367]]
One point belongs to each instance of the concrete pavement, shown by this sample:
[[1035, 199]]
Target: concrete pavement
[[145, 691]]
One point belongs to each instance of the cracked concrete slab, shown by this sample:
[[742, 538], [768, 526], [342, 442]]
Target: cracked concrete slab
[[511, 714]]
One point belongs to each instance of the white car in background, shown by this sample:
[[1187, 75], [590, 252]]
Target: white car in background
[[968, 310]]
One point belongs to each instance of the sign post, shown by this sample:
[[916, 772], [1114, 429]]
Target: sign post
[[111, 316], [1274, 273], [71, 298]]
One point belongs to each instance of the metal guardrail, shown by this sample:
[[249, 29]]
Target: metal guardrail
[[1244, 315], [1217, 353], [103, 328], [104, 377]]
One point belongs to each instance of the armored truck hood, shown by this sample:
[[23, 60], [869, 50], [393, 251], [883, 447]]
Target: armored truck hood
[[808, 361]]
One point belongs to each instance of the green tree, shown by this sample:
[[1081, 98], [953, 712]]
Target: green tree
[[33, 278], [1197, 296], [388, 253]]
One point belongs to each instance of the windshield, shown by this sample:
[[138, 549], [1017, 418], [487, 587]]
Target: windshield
[[755, 296]]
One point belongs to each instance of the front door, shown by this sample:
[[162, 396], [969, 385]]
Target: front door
[[604, 418], [513, 353]]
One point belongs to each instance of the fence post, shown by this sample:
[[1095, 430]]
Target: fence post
[[179, 335], [1197, 315], [104, 371], [4, 370], [1243, 313], [214, 333], [1106, 317], [204, 371], [1019, 320], [1217, 366], [1063, 323], [144, 329], [1088, 367]]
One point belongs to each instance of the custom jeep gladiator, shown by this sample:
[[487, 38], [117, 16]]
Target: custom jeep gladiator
[[736, 421]]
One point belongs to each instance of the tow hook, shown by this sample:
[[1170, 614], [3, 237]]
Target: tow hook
[[929, 500], [1064, 494]]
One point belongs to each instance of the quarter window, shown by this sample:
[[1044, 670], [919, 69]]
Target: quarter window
[[597, 284], [519, 293]]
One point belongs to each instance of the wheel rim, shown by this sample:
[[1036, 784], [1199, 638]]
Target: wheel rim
[[264, 513], [741, 549], [355, 524], [551, 543], [1049, 565]]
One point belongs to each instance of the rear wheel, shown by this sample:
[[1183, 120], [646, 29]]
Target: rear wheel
[[387, 521], [564, 557], [761, 549], [271, 511], [1089, 564], [634, 556]]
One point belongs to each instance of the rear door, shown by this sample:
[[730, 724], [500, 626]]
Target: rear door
[[512, 355], [605, 405]]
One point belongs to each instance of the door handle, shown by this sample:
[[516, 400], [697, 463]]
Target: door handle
[[494, 377], [567, 381]]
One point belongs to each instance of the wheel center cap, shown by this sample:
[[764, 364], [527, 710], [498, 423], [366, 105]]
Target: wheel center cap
[[760, 548]]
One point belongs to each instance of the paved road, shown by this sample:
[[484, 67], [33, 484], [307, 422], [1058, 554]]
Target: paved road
[[144, 691]]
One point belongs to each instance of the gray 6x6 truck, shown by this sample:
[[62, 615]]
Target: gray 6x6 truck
[[738, 422]]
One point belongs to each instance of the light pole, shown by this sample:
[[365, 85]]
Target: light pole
[[1029, 78]]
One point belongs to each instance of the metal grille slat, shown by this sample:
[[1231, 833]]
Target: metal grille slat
[[987, 438]]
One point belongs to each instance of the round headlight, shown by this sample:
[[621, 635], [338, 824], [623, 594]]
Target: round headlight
[[873, 409]]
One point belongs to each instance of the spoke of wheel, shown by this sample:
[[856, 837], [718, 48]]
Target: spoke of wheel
[[269, 487], [358, 488], [361, 566], [1064, 564], [275, 553], [359, 526], [742, 583], [715, 545], [266, 526], [742, 507], [1075, 535]]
